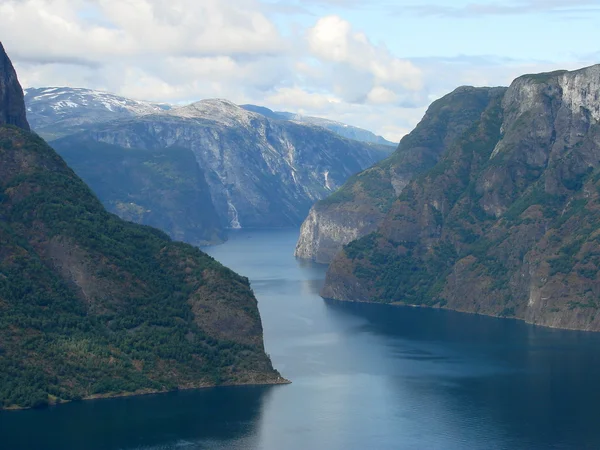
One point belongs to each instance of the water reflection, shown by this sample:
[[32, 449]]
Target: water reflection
[[208, 418], [520, 385]]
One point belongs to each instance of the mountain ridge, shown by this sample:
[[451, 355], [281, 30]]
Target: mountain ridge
[[505, 223], [362, 202], [344, 130], [260, 172], [58, 111]]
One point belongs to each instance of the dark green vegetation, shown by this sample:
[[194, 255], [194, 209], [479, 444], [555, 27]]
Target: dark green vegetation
[[445, 121], [93, 305], [163, 188], [505, 223], [364, 200]]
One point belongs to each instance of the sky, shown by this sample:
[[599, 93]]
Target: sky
[[375, 64]]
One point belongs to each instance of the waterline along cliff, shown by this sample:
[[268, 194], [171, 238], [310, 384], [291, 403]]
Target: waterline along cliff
[[505, 221], [93, 306]]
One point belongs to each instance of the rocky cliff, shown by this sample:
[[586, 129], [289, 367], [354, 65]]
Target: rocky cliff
[[12, 106], [362, 202], [260, 172], [91, 305], [506, 223], [163, 188]]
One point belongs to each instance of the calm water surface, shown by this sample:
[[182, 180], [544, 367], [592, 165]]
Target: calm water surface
[[364, 377]]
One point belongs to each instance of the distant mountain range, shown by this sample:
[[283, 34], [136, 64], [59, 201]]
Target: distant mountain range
[[347, 131], [56, 111], [195, 170]]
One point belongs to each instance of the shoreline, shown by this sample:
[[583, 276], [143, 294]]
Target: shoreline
[[278, 382], [473, 313]]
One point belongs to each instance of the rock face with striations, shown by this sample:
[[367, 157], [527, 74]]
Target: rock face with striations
[[362, 202], [506, 223], [93, 306], [260, 172]]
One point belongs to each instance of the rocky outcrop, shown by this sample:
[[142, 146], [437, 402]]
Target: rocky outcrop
[[93, 306], [506, 223], [12, 105], [260, 172], [361, 204], [322, 234]]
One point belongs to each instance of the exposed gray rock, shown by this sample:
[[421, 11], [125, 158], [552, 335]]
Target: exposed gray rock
[[506, 223], [361, 204], [260, 172]]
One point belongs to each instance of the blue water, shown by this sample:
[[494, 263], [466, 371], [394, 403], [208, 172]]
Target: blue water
[[364, 377]]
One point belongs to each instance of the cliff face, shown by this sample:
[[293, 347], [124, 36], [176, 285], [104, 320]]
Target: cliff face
[[362, 202], [260, 172], [12, 104], [506, 223], [163, 188], [91, 305]]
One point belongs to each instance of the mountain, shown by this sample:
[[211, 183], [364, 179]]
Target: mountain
[[93, 306], [163, 188], [58, 111], [12, 111], [505, 223], [259, 172], [363, 201], [344, 130]]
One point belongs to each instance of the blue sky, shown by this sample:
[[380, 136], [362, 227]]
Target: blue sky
[[528, 30], [375, 64]]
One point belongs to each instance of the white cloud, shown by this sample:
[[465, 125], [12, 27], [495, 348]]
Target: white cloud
[[380, 95], [302, 100], [334, 40], [185, 50], [113, 29]]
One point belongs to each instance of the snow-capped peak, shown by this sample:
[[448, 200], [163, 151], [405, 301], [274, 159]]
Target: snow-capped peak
[[63, 99]]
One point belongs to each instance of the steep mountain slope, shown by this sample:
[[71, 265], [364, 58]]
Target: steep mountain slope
[[260, 172], [91, 305], [362, 202], [12, 111], [506, 223], [58, 111], [163, 188], [344, 130]]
